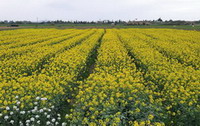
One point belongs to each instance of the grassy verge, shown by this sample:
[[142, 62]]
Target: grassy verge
[[86, 26]]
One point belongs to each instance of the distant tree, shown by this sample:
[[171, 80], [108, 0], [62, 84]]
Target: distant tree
[[5, 22], [19, 22], [160, 20], [11, 22], [198, 22]]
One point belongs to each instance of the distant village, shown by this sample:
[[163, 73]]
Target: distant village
[[109, 22]]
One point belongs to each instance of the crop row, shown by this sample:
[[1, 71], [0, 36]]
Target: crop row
[[32, 61], [53, 84], [174, 84], [115, 93]]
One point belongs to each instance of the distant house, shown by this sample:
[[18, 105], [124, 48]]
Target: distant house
[[192, 23], [112, 24]]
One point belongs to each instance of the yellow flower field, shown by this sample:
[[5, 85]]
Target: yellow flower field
[[99, 77]]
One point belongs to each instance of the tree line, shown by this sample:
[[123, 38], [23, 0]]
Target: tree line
[[130, 22]]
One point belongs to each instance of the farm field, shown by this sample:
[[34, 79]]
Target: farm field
[[102, 26], [99, 77]]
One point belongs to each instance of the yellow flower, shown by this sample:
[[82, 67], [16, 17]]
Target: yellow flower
[[136, 123], [150, 116]]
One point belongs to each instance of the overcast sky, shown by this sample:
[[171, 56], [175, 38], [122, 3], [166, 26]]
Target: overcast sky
[[90, 10]]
